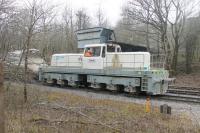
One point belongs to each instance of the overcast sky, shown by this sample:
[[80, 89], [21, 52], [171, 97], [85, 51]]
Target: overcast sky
[[111, 8]]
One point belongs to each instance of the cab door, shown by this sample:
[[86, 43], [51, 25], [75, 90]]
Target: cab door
[[95, 61]]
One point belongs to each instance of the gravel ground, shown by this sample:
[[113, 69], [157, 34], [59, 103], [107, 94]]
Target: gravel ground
[[192, 110]]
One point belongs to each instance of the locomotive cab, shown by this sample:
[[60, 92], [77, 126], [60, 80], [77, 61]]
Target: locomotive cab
[[94, 55]]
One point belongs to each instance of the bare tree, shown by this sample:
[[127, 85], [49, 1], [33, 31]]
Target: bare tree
[[45, 46], [130, 31], [177, 28], [182, 12], [2, 129], [34, 11], [191, 38], [101, 20], [82, 19], [154, 13], [6, 12], [68, 17], [147, 28], [158, 15]]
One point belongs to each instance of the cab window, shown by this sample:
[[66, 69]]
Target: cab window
[[110, 48], [92, 52], [118, 49]]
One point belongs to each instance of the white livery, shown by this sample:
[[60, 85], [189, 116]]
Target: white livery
[[69, 60], [103, 56]]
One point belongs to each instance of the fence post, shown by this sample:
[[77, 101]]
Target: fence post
[[2, 117]]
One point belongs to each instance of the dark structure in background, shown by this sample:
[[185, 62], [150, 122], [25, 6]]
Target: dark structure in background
[[99, 35], [129, 47]]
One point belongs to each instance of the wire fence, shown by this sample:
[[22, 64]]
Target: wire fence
[[158, 61]]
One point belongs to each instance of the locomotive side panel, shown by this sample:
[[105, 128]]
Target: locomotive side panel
[[68, 60], [133, 60]]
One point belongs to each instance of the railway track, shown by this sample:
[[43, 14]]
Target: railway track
[[177, 95], [181, 98], [183, 94], [185, 90]]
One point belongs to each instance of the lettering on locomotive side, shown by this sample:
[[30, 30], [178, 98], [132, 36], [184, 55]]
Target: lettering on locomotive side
[[91, 60]]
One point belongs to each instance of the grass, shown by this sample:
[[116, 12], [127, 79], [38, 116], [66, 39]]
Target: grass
[[54, 112]]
